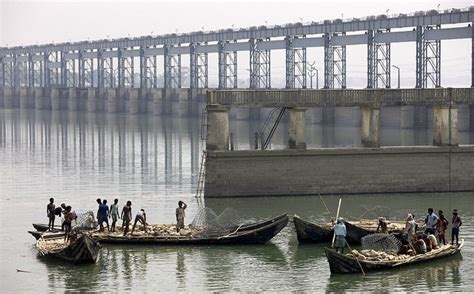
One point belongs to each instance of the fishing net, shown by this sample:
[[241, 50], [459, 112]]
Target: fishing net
[[85, 221], [381, 242], [210, 224]]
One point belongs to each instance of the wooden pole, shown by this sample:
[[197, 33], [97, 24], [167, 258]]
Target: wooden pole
[[358, 262], [337, 217]]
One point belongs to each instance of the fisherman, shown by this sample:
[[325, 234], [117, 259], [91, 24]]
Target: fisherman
[[340, 232], [456, 223], [103, 214], [409, 230], [50, 213], [427, 241], [442, 227], [99, 202], [68, 218], [382, 226], [431, 221], [433, 241], [114, 213], [126, 216], [63, 214], [420, 245], [180, 215], [140, 217]]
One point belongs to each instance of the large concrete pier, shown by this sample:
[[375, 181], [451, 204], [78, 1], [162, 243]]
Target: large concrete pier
[[445, 166]]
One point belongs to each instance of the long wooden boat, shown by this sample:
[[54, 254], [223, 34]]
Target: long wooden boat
[[258, 233], [342, 264], [46, 235], [309, 232], [82, 250], [44, 227]]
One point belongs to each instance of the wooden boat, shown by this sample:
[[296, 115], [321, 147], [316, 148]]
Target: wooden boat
[[341, 264], [46, 235], [258, 233], [82, 250], [307, 231], [44, 227]]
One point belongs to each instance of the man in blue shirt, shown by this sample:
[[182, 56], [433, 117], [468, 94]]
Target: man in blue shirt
[[340, 232], [431, 222], [103, 214]]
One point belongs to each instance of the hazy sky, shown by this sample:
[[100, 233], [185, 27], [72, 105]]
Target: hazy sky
[[38, 22]]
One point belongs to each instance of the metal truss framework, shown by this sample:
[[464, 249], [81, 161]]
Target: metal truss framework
[[428, 59], [260, 65], [378, 62], [70, 74], [23, 68], [295, 65], [149, 71], [199, 63], [227, 68], [334, 64], [172, 71], [53, 68]]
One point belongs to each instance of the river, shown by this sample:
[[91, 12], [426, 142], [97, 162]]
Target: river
[[154, 162]]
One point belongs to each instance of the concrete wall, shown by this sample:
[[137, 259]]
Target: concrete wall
[[339, 171]]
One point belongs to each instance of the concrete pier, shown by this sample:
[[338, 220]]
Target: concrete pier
[[39, 98], [134, 99], [370, 127], [72, 99], [55, 99], [445, 126], [157, 96], [407, 117], [24, 98], [91, 100], [8, 97], [112, 100], [296, 128], [217, 128]]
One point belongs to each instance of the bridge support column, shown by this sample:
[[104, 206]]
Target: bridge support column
[[217, 128], [8, 96], [157, 101], [370, 126], [24, 98], [91, 100], [407, 117], [296, 128], [445, 126], [112, 100], [39, 99], [72, 100], [54, 99], [134, 101]]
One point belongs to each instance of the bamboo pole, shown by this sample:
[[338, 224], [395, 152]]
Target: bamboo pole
[[358, 262], [337, 217]]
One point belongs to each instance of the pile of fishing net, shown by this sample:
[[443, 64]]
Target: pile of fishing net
[[210, 224], [381, 242], [85, 221]]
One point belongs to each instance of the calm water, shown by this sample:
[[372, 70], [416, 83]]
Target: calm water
[[154, 162]]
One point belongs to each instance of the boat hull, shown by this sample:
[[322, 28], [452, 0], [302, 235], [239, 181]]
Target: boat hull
[[83, 250], [308, 232], [259, 233]]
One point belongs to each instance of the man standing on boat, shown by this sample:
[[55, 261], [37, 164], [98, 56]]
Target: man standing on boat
[[114, 214], [50, 213], [103, 214], [126, 217], [340, 232], [431, 222], [456, 223], [180, 215]]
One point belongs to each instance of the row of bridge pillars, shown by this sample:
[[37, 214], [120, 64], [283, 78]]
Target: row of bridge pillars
[[156, 101], [445, 126]]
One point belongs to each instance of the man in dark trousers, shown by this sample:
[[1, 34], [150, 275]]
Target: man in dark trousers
[[456, 223], [50, 213], [103, 214]]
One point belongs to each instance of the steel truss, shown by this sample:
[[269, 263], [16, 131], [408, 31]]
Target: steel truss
[[149, 71], [37, 72], [86, 71], [70, 75], [198, 75], [382, 64], [260, 64], [126, 69], [227, 67], [172, 69], [53, 68], [334, 64], [8, 78], [431, 61], [23, 73], [2, 81], [295, 65]]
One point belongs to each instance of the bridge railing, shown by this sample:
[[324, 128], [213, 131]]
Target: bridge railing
[[340, 97]]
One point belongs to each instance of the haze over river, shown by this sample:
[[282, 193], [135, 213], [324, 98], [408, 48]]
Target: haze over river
[[154, 162]]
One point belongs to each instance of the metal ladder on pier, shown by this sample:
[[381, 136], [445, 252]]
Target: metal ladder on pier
[[266, 143], [202, 168]]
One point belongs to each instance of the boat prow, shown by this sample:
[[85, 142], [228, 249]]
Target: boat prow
[[82, 250], [309, 232]]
